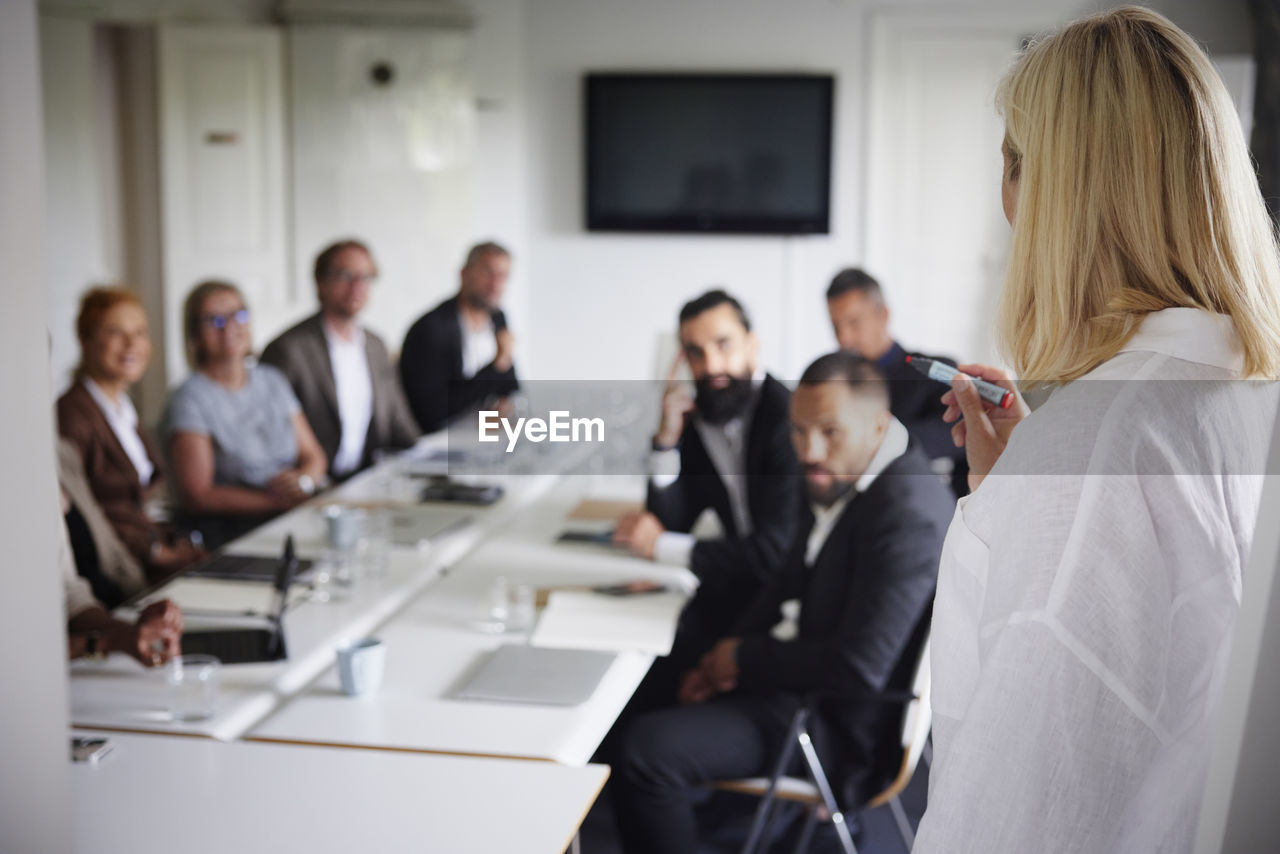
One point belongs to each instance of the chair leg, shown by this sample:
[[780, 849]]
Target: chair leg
[[760, 823], [806, 832], [828, 796], [904, 825]]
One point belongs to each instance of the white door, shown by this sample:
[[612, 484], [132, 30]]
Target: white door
[[935, 234], [222, 171]]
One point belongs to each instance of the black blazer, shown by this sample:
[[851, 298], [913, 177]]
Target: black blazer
[[864, 605], [431, 369], [732, 568], [916, 401]]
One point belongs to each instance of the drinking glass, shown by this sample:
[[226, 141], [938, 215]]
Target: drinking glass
[[193, 687]]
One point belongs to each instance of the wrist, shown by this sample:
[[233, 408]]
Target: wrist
[[665, 442], [119, 637]]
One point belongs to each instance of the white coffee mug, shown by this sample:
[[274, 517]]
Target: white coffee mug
[[360, 666]]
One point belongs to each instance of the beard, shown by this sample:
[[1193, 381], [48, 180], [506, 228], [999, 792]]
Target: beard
[[721, 405], [825, 496]]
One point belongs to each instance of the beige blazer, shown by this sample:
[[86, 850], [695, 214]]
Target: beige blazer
[[117, 562], [302, 354]]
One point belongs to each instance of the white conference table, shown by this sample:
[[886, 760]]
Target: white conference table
[[120, 694], [267, 799], [436, 642]]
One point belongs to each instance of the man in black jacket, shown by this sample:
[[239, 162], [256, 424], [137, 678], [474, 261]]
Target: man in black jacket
[[860, 319], [728, 449], [864, 565], [459, 355]]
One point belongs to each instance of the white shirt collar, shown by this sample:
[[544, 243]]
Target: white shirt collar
[[121, 409], [892, 446], [1190, 334], [336, 340], [122, 418]]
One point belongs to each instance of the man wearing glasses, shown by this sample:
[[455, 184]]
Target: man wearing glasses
[[340, 371]]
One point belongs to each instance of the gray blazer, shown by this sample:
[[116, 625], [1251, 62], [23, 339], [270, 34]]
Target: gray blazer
[[302, 354]]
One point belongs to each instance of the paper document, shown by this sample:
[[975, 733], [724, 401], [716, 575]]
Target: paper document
[[602, 510], [584, 620]]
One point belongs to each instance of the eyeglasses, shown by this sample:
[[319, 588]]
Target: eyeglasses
[[345, 277], [220, 321]]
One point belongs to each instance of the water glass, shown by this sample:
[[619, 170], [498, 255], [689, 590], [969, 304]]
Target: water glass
[[374, 548], [499, 608], [193, 687], [331, 579], [521, 612]]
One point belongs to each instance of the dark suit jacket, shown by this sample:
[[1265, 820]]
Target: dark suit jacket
[[302, 354], [732, 568], [111, 475], [916, 401], [864, 605], [431, 369]]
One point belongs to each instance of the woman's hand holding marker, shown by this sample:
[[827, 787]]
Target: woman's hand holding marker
[[981, 427]]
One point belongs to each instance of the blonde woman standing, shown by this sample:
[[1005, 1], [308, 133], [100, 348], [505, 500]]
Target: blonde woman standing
[[1090, 583]]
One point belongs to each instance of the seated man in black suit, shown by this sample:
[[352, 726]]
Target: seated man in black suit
[[860, 319], [728, 449], [863, 564], [459, 355]]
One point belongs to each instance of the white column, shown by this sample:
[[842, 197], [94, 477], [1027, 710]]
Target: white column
[[35, 808]]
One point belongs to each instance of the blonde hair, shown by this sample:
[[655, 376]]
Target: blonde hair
[[1136, 193], [191, 309]]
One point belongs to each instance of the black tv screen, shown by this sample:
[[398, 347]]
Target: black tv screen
[[737, 153]]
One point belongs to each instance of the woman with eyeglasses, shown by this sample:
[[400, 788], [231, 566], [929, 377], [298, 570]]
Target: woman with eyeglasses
[[239, 446], [121, 468]]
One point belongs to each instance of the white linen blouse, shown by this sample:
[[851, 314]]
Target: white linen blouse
[[1086, 599]]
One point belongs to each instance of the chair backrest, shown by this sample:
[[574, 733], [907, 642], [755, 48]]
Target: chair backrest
[[917, 720]]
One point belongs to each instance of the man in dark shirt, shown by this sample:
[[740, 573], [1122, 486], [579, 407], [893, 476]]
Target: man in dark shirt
[[863, 564], [726, 448], [860, 319], [460, 354]]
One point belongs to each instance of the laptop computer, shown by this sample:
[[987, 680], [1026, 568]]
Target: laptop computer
[[249, 645], [230, 567], [518, 673]]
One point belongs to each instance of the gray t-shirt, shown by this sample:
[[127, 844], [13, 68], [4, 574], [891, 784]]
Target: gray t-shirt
[[251, 427]]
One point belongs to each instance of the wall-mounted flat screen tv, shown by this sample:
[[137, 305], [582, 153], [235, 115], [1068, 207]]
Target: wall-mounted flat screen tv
[[731, 153]]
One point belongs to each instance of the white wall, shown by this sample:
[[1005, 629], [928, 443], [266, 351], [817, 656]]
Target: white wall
[[77, 220], [418, 223], [615, 295], [35, 805], [390, 164]]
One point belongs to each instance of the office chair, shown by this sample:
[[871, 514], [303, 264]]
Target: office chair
[[816, 793]]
